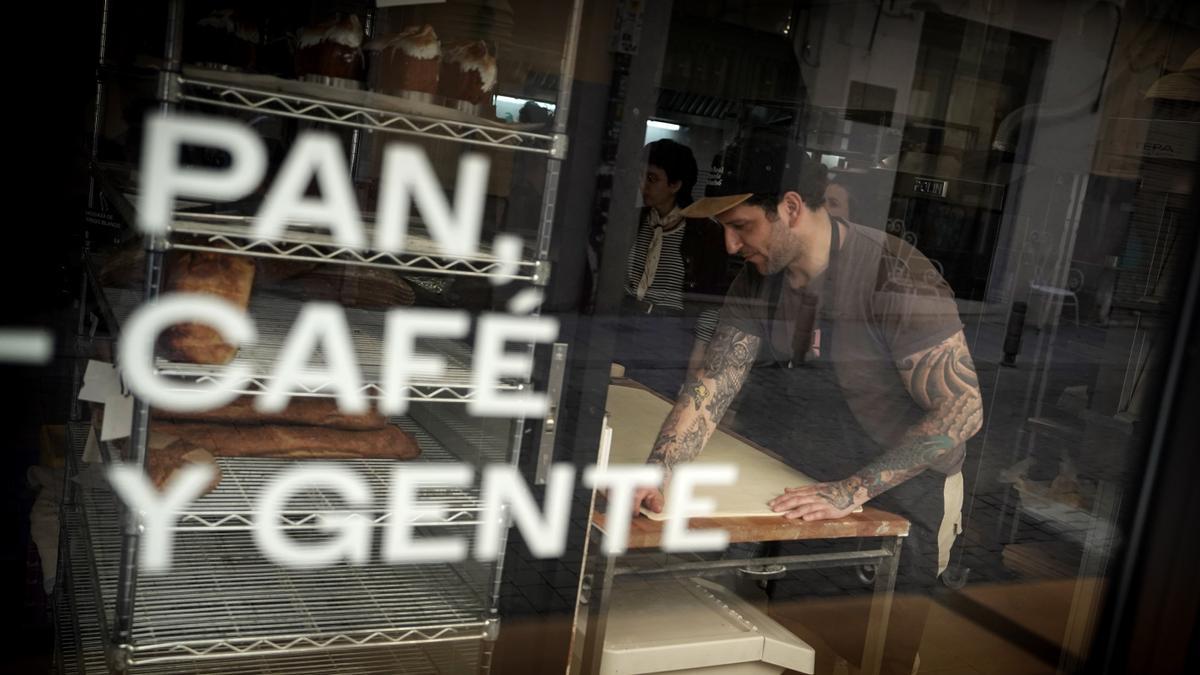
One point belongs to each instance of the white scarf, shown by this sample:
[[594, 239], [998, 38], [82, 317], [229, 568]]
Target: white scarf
[[660, 224]]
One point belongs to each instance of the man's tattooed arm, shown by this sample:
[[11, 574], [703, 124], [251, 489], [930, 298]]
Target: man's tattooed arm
[[942, 381], [705, 397]]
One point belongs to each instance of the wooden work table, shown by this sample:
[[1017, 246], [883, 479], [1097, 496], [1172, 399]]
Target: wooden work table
[[646, 533]]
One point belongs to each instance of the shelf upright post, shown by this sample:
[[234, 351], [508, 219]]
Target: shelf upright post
[[356, 134], [168, 93], [558, 149], [93, 153], [98, 101]]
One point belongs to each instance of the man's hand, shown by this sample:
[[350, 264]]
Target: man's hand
[[822, 501], [651, 498]]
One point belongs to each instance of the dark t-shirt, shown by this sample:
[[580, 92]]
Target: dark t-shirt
[[886, 302]]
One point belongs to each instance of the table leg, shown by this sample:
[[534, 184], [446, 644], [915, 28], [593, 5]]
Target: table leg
[[598, 575], [881, 607]]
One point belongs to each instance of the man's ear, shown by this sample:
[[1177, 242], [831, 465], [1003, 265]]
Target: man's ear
[[791, 204]]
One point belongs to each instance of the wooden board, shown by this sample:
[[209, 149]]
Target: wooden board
[[871, 522], [636, 415]]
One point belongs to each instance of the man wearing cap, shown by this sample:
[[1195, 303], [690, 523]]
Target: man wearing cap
[[870, 388]]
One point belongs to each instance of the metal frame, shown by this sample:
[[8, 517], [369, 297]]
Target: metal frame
[[420, 255], [301, 611], [302, 107], [108, 539], [273, 319], [603, 571], [231, 235], [82, 644]]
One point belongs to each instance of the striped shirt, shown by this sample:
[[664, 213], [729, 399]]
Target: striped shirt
[[706, 324], [667, 287]]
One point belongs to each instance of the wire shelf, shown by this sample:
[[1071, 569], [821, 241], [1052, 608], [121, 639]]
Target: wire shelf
[[81, 642], [293, 99], [232, 505], [232, 235], [274, 317], [222, 599], [77, 622]]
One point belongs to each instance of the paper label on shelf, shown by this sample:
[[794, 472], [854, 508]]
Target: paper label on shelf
[[118, 417], [91, 449], [100, 381]]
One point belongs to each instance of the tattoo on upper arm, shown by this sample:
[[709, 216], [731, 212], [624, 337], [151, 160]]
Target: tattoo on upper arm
[[940, 373], [942, 381]]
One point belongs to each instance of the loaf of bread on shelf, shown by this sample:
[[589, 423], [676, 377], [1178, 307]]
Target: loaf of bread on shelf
[[301, 410], [165, 454], [293, 442], [229, 277], [162, 462]]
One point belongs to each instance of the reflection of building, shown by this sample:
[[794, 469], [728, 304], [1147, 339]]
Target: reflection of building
[[973, 127]]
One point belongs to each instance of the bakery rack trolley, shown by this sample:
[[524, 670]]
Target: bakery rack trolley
[[223, 607]]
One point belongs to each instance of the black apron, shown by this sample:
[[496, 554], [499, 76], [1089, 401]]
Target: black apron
[[794, 404]]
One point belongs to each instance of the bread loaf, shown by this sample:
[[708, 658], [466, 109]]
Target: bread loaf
[[313, 411], [294, 442], [161, 463], [228, 277]]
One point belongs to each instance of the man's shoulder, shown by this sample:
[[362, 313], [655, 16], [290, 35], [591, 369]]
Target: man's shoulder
[[897, 266]]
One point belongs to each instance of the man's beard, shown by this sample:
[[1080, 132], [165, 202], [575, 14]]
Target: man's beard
[[783, 248]]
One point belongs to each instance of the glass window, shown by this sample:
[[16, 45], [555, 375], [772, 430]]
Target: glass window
[[510, 336]]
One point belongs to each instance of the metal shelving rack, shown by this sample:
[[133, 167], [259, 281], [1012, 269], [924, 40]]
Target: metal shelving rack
[[230, 235], [206, 91], [273, 318], [224, 608]]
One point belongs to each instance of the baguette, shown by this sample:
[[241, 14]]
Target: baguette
[[294, 442], [304, 410], [228, 277], [161, 463]]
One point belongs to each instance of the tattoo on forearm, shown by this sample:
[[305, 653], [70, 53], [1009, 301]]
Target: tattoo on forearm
[[728, 361], [695, 436], [705, 397], [897, 466], [941, 380]]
